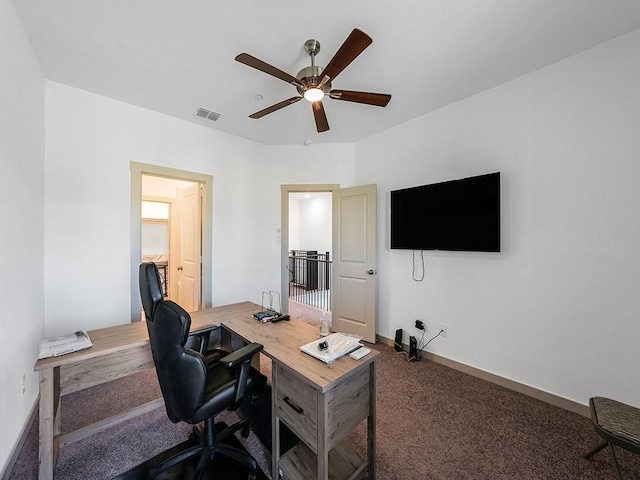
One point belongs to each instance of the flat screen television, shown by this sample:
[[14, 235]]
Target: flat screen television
[[459, 215]]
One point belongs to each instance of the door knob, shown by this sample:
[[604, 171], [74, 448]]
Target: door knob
[[371, 271], [179, 268]]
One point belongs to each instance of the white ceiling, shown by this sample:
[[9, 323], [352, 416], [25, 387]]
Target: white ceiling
[[174, 56]]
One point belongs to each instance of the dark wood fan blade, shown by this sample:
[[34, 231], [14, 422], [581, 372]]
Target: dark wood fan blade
[[277, 106], [322, 125], [353, 46], [377, 99], [266, 68]]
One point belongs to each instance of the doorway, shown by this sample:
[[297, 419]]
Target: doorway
[[155, 234], [292, 240], [175, 231], [310, 243], [171, 224], [353, 270]]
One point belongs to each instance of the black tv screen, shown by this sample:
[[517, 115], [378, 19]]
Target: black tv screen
[[460, 215]]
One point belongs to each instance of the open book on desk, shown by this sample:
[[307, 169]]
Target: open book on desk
[[338, 345], [71, 342]]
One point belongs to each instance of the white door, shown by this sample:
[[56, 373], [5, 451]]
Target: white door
[[189, 270], [353, 280]]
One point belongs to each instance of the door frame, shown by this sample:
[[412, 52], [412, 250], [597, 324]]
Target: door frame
[[139, 169], [284, 231]]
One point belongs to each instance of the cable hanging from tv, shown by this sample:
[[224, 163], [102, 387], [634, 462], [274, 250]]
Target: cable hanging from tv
[[413, 266]]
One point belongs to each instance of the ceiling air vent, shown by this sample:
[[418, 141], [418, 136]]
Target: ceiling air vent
[[208, 114]]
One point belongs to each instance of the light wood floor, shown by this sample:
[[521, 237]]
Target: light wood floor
[[305, 313]]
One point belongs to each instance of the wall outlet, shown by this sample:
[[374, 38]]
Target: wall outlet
[[24, 383], [443, 327]]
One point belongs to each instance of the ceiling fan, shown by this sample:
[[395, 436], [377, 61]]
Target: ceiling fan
[[314, 83]]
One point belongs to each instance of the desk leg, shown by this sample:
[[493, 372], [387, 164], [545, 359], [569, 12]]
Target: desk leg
[[49, 418], [275, 425], [371, 422], [322, 452]]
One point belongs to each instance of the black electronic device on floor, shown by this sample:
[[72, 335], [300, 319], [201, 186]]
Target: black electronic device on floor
[[397, 344], [413, 349]]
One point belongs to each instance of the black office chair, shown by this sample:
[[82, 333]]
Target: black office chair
[[195, 393], [151, 294]]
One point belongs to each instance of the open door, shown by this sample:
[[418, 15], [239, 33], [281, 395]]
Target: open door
[[189, 269], [353, 279]]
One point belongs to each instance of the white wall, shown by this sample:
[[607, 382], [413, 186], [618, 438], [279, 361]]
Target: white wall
[[91, 141], [558, 308], [21, 217], [310, 223], [154, 238], [315, 223], [294, 224], [162, 187], [284, 165]]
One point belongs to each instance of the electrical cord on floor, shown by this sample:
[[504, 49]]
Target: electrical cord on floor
[[392, 349], [419, 354]]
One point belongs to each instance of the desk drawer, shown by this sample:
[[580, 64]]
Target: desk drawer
[[297, 406]]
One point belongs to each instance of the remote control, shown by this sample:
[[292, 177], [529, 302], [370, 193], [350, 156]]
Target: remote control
[[359, 353]]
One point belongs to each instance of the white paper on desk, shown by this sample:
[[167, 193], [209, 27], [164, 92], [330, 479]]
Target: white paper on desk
[[339, 344], [71, 342]]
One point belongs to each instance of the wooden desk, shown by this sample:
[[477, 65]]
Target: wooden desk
[[320, 403], [334, 398]]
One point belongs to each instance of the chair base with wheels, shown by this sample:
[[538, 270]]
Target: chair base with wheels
[[207, 445], [618, 424]]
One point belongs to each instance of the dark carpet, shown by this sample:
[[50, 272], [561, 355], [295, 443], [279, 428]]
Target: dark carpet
[[433, 423], [112, 452], [222, 468]]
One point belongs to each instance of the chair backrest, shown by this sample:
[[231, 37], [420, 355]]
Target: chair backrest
[[182, 373], [150, 288]]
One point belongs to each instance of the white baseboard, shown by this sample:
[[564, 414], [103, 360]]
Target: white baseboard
[[503, 382], [20, 443]]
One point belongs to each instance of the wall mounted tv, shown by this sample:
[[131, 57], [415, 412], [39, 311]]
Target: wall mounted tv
[[460, 215]]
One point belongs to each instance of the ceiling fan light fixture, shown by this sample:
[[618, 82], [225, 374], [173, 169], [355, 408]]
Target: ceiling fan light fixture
[[313, 83], [313, 94]]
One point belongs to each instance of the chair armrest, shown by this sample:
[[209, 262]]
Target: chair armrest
[[241, 361], [242, 355], [203, 334], [207, 329]]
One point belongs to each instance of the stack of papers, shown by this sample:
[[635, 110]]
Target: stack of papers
[[71, 342], [338, 345]]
